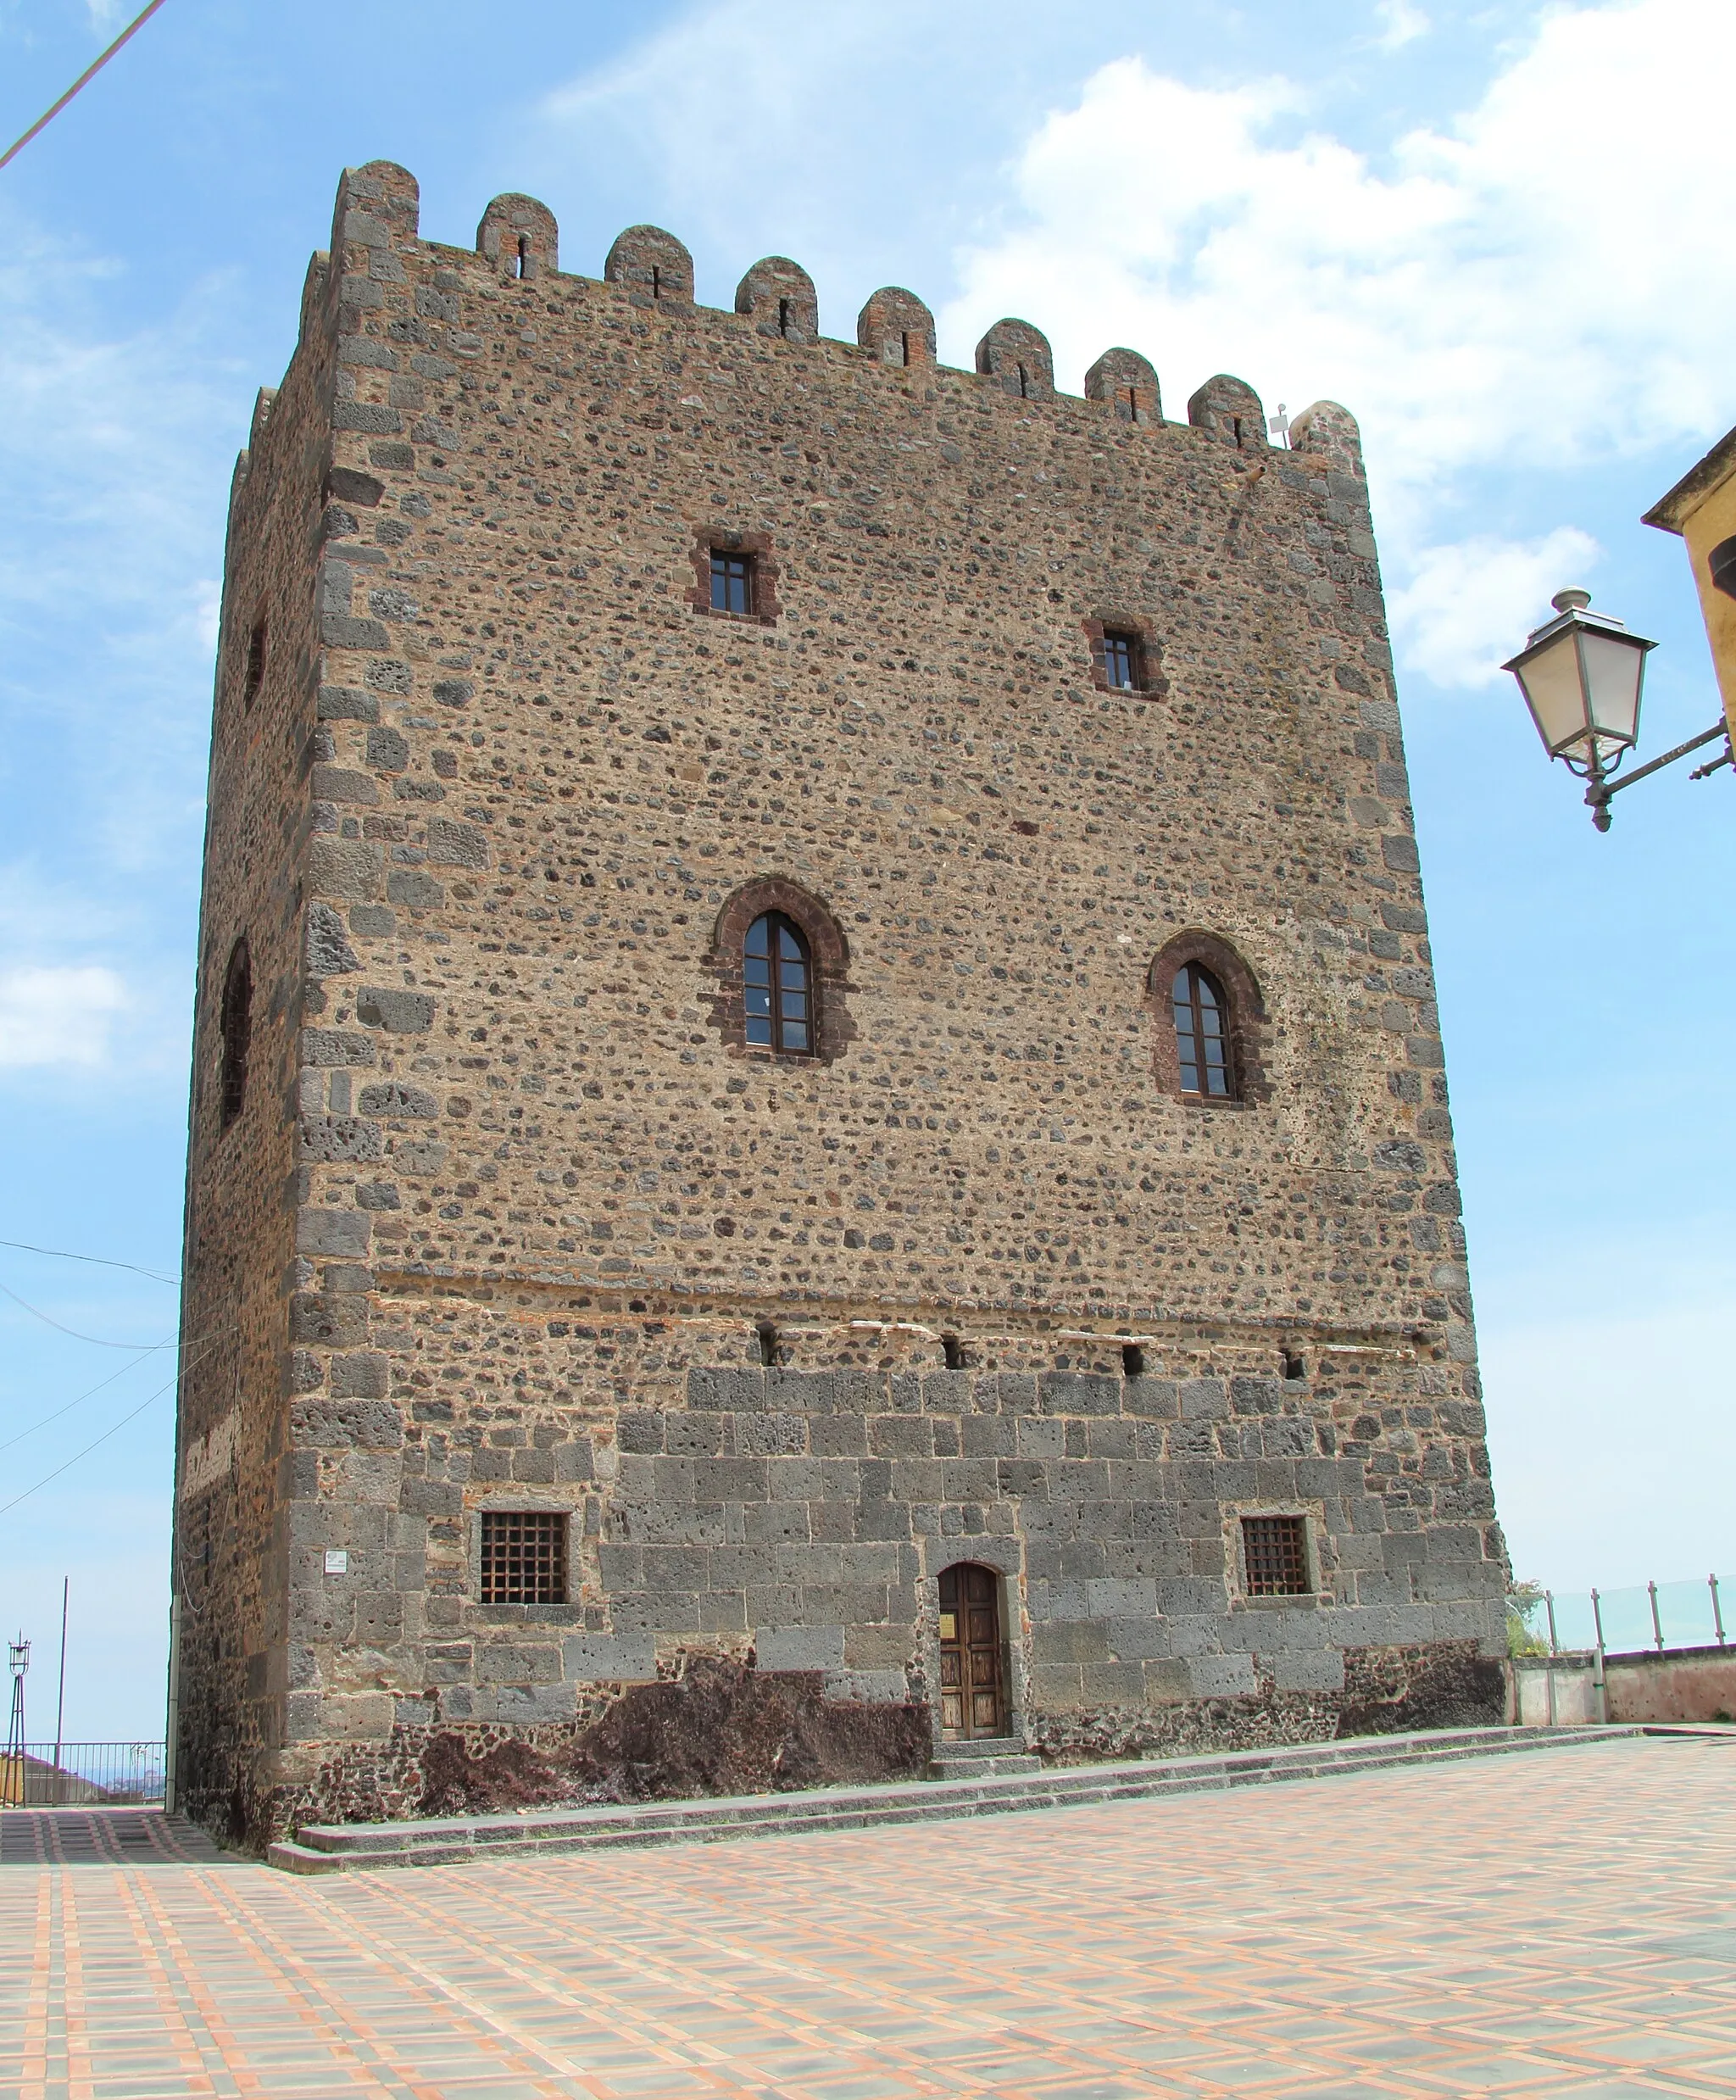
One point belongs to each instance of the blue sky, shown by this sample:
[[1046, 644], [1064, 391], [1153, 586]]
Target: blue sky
[[1495, 232]]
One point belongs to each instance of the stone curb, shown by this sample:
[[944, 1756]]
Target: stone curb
[[340, 1848]]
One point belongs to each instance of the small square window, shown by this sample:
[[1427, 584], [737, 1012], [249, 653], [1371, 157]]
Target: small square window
[[731, 582], [1120, 662], [524, 1557], [1275, 1551]]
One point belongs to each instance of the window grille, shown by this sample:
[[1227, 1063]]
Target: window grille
[[1202, 1034], [731, 582], [1120, 662], [524, 1557], [1276, 1550], [777, 981]]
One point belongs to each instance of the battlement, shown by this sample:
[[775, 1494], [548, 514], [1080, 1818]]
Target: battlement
[[377, 220]]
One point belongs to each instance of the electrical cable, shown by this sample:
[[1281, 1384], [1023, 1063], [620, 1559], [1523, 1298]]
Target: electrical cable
[[190, 1345], [60, 1254], [96, 1341], [90, 73], [85, 1452]]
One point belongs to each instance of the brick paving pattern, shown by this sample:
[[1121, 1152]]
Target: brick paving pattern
[[1560, 1925]]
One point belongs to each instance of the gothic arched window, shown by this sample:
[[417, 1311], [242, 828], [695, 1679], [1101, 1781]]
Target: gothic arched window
[[235, 1024], [777, 984], [1202, 1017]]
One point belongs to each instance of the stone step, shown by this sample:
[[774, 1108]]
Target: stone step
[[989, 1757], [351, 1847]]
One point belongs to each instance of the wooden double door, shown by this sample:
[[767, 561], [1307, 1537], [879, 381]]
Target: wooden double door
[[972, 1678]]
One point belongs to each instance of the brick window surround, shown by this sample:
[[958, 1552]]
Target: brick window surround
[[829, 958], [523, 1557], [1149, 680], [1246, 1018], [756, 547]]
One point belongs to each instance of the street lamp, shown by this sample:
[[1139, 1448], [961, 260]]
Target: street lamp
[[1581, 675]]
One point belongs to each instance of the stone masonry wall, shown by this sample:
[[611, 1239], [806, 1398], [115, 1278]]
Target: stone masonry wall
[[552, 1213]]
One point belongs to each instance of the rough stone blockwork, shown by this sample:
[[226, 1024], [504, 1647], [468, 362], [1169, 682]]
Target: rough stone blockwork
[[494, 1210]]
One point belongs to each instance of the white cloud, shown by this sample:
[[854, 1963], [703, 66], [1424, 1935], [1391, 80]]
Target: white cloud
[[1467, 605], [58, 1016], [1526, 288], [1402, 22]]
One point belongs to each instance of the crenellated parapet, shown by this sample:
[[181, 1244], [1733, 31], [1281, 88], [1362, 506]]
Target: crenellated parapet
[[1127, 383], [655, 268], [1017, 357], [376, 224], [778, 297], [519, 236], [896, 328]]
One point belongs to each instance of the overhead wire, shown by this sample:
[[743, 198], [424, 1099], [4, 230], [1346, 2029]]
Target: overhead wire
[[89, 74], [95, 1442], [97, 1340], [60, 1254], [88, 1448], [189, 1347]]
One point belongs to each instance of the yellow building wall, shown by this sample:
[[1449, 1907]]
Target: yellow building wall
[[1714, 521]]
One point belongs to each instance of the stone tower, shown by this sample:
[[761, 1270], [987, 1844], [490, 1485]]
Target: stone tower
[[818, 1122]]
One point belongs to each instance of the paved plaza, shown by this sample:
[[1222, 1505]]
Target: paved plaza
[[1561, 1922]]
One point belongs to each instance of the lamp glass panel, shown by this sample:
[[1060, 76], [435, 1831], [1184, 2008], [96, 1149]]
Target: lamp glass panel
[[1552, 683], [1613, 669]]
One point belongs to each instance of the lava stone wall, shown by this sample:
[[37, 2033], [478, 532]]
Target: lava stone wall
[[550, 1214]]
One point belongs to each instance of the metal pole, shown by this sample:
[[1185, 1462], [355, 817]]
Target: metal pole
[[1657, 1623], [1718, 1615], [1597, 1620], [60, 1704], [1549, 1598]]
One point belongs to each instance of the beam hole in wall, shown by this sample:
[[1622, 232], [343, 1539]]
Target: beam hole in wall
[[1132, 1361], [768, 1343], [954, 1351], [1293, 1366]]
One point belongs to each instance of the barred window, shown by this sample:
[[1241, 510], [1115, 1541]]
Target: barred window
[[777, 987], [1275, 1551], [1203, 1034], [731, 582], [524, 1557]]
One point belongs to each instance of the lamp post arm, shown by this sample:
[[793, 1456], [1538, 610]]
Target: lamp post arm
[[1639, 773], [1598, 792]]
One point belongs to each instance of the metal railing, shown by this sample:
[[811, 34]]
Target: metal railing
[[84, 1775], [1656, 1615]]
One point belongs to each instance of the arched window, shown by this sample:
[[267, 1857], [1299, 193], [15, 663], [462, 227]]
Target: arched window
[[1203, 1034], [777, 981], [237, 1026]]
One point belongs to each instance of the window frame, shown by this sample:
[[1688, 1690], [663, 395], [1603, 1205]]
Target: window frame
[[1144, 653], [1245, 1021], [1197, 978], [729, 568], [755, 551], [830, 1029], [778, 923]]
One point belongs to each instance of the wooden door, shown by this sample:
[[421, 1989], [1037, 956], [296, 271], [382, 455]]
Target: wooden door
[[972, 1701]]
